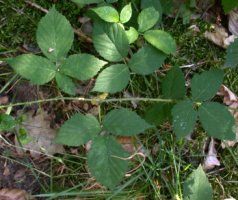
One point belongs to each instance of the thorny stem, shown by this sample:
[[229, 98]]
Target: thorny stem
[[97, 100]]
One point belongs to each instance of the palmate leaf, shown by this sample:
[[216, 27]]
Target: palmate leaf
[[232, 55], [146, 60], [54, 35], [173, 85], [161, 40], [124, 122], [82, 66], [147, 19], [37, 69], [65, 83], [110, 41], [206, 85], [107, 13], [78, 130], [197, 187], [217, 121], [106, 161], [112, 79], [184, 118]]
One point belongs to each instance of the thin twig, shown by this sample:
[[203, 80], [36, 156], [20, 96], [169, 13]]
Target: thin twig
[[77, 32]]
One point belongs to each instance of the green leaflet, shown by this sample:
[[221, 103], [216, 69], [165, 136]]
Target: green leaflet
[[105, 161], [217, 121], [37, 69], [110, 41], [173, 85], [126, 13], [147, 19], [161, 40], [107, 13], [54, 35], [231, 59], [197, 186], [82, 66], [184, 118], [65, 84], [229, 5], [7, 122], [78, 130], [112, 79], [206, 85], [146, 60], [124, 122], [132, 35]]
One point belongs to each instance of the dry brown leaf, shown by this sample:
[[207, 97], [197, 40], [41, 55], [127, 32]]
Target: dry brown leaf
[[211, 158], [14, 194], [41, 135], [230, 99]]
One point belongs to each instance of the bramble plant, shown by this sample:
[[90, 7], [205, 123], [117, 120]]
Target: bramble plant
[[112, 39]]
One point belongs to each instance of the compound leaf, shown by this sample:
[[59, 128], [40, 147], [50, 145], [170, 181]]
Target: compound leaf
[[147, 18], [110, 41], [124, 122], [37, 69], [217, 121], [173, 85], [161, 40], [107, 13], [146, 60], [184, 118], [54, 35], [65, 84], [126, 13], [78, 130], [206, 85], [112, 79], [82, 66], [105, 161], [232, 55], [197, 186]]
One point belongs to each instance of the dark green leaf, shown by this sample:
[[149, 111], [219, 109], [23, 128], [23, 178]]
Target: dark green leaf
[[158, 113], [37, 69], [132, 35], [173, 85], [184, 118], [82, 66], [78, 130], [146, 60], [107, 13], [147, 19], [152, 3], [105, 161], [124, 122], [7, 122], [126, 13], [87, 1], [112, 79], [197, 186], [217, 121], [161, 40], [54, 35], [232, 55], [65, 84], [206, 85], [229, 5], [110, 41]]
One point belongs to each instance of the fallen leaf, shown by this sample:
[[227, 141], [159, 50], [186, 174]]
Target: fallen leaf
[[211, 158], [233, 22], [40, 135], [14, 194]]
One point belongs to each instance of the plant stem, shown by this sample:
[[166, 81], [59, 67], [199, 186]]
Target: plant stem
[[98, 100]]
